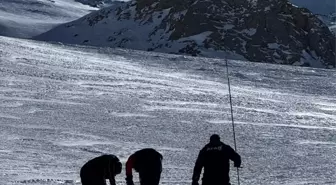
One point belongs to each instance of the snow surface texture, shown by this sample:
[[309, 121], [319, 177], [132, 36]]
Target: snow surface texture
[[29, 18], [61, 106]]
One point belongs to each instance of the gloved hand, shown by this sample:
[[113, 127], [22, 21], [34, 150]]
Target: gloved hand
[[129, 180], [194, 182]]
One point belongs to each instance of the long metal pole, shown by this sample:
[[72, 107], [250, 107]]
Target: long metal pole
[[232, 118]]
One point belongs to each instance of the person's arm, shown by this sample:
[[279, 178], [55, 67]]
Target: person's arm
[[129, 167], [198, 167], [235, 157], [111, 169], [112, 181]]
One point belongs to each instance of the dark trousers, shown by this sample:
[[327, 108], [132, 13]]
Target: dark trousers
[[93, 181]]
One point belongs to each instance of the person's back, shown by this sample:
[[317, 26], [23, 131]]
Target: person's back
[[147, 159], [215, 159], [148, 163], [96, 170]]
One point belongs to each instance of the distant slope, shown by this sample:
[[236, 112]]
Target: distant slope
[[28, 18]]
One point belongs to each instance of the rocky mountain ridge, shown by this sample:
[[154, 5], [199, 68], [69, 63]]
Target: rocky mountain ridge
[[271, 31]]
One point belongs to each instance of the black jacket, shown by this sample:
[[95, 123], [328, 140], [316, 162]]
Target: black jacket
[[102, 167], [215, 159]]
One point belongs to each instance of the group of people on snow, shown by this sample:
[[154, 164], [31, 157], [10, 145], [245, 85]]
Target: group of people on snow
[[214, 158]]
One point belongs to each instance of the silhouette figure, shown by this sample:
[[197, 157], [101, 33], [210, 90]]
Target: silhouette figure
[[148, 163], [97, 170], [215, 159]]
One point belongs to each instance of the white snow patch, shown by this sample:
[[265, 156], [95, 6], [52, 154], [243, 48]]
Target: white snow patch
[[218, 121], [273, 45], [308, 142], [228, 26], [180, 109], [130, 115], [267, 8], [72, 142], [287, 125], [5, 151], [199, 38], [326, 106], [314, 114], [254, 3], [180, 14], [250, 31], [179, 103], [312, 59]]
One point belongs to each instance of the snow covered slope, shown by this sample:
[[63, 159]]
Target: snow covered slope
[[259, 31], [28, 18], [61, 106]]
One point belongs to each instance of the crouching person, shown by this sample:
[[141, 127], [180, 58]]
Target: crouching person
[[97, 170], [148, 163]]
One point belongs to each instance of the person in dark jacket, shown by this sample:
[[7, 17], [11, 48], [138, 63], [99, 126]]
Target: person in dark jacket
[[97, 170], [148, 163], [215, 159]]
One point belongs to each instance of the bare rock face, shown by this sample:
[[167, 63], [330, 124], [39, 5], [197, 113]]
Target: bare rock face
[[272, 31]]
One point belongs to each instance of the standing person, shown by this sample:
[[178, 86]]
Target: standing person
[[215, 159], [148, 163], [97, 170]]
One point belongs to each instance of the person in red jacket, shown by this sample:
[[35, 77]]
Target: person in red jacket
[[148, 163], [97, 170], [215, 159]]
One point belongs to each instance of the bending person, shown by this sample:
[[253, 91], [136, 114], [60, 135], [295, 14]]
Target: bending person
[[148, 163], [97, 170]]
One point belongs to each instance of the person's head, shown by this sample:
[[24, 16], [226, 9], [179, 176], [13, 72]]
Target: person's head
[[214, 138]]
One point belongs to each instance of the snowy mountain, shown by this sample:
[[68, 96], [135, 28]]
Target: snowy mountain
[[324, 9], [259, 31], [28, 18], [61, 106]]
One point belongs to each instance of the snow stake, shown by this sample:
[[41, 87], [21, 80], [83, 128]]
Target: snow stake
[[232, 119]]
